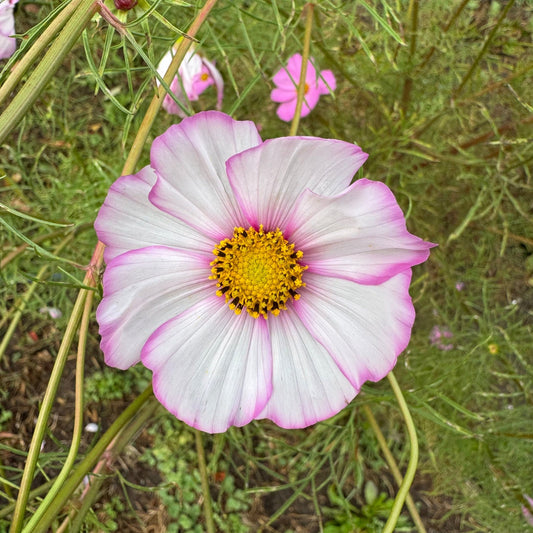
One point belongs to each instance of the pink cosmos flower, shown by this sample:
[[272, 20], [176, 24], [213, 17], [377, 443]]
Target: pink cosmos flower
[[251, 277], [8, 44], [438, 337], [526, 512], [287, 80], [195, 75]]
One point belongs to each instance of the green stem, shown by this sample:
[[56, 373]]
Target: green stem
[[149, 118], [46, 68], [208, 510], [78, 418], [37, 48], [74, 521], [90, 460], [303, 71], [484, 48], [41, 489], [51, 390], [413, 458], [408, 83], [394, 468], [6, 259]]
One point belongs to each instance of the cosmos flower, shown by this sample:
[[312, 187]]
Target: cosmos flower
[[251, 277], [438, 337], [286, 91], [195, 75], [53, 312], [526, 510], [8, 44]]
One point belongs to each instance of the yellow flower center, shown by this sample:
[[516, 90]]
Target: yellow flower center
[[204, 76], [258, 270]]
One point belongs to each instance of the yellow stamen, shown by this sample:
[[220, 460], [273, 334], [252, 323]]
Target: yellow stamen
[[257, 270]]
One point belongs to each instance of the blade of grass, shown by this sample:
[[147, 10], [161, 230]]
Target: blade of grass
[[382, 22]]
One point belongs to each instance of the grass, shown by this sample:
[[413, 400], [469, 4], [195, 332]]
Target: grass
[[446, 118]]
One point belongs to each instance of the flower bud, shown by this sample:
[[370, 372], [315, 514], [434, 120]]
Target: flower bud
[[125, 5]]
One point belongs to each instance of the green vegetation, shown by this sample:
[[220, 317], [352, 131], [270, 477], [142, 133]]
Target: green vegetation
[[440, 95]]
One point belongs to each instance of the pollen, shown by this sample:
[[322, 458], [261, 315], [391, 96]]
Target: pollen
[[258, 271]]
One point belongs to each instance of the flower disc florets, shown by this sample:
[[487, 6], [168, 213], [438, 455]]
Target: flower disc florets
[[258, 270]]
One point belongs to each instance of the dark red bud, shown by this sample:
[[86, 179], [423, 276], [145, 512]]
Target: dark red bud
[[125, 5]]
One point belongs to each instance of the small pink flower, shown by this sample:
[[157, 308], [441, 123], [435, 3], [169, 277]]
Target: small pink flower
[[8, 44], [287, 80], [437, 336], [526, 510], [252, 277], [195, 75], [54, 312]]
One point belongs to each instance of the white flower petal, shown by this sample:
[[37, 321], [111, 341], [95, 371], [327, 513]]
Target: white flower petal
[[269, 178], [142, 290], [359, 235], [307, 384], [212, 368], [128, 221], [364, 327], [190, 67], [165, 63], [190, 161], [8, 44]]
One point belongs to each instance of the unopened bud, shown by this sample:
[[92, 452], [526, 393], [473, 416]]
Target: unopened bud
[[125, 5]]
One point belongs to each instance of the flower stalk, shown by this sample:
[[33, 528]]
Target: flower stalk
[[413, 457], [47, 67], [78, 417], [92, 457], [74, 521], [157, 101], [394, 468], [51, 391], [303, 72], [51, 30], [208, 509]]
